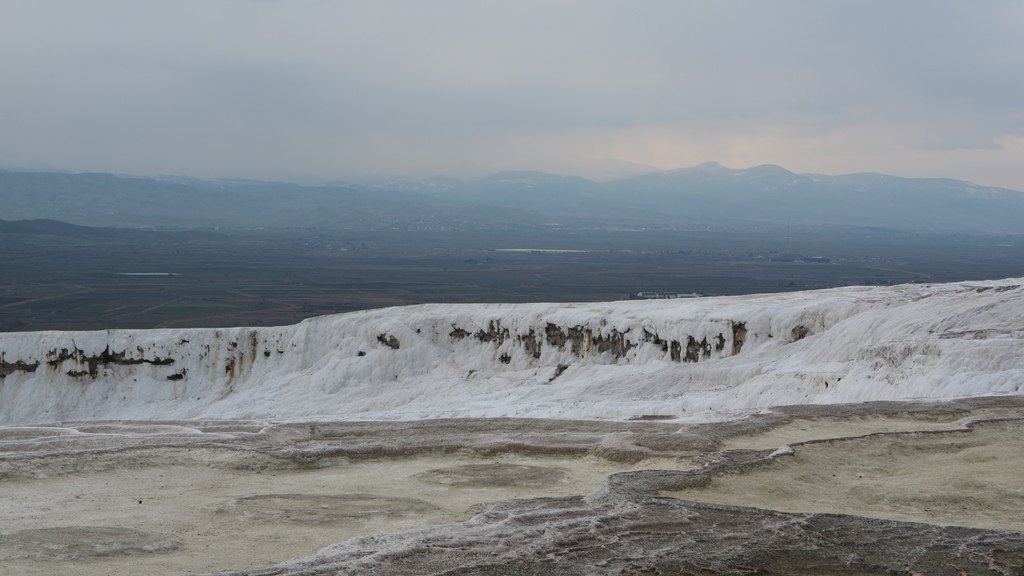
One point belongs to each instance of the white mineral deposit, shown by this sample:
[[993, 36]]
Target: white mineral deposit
[[785, 433]]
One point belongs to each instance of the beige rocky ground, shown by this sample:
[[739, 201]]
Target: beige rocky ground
[[955, 478], [198, 518], [177, 497]]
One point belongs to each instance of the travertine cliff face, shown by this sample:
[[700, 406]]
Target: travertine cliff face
[[687, 358]]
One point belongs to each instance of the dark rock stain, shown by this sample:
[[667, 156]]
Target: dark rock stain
[[555, 335], [579, 337], [254, 344], [558, 371], [389, 341], [531, 343], [19, 366], [55, 358], [656, 340], [494, 333], [739, 336], [694, 349], [615, 342]]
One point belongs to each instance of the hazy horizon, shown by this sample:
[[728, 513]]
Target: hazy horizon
[[312, 91], [609, 175]]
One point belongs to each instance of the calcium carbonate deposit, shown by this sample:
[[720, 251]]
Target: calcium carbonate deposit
[[695, 358], [711, 436]]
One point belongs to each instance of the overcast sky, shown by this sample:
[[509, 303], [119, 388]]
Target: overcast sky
[[332, 89]]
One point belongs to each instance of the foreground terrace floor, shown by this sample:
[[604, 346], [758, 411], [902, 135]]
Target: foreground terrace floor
[[194, 497]]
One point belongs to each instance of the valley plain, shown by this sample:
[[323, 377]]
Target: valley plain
[[77, 278]]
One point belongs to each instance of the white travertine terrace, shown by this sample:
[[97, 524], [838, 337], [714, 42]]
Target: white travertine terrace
[[696, 359]]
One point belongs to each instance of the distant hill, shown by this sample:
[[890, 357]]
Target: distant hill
[[108, 200], [711, 193], [773, 194], [706, 194], [63, 229]]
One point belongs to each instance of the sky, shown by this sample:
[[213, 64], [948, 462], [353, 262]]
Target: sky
[[318, 90]]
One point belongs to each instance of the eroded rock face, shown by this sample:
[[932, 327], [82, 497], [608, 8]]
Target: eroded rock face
[[587, 342], [106, 357], [739, 336], [19, 366], [90, 363]]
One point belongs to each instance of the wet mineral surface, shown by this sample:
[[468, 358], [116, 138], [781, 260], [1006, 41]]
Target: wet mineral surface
[[868, 489]]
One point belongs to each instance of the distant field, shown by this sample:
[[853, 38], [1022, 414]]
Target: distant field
[[194, 307], [55, 282]]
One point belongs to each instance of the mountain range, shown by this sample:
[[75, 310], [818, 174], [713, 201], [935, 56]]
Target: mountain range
[[708, 194]]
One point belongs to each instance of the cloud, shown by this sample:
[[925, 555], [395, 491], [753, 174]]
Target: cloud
[[337, 89]]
